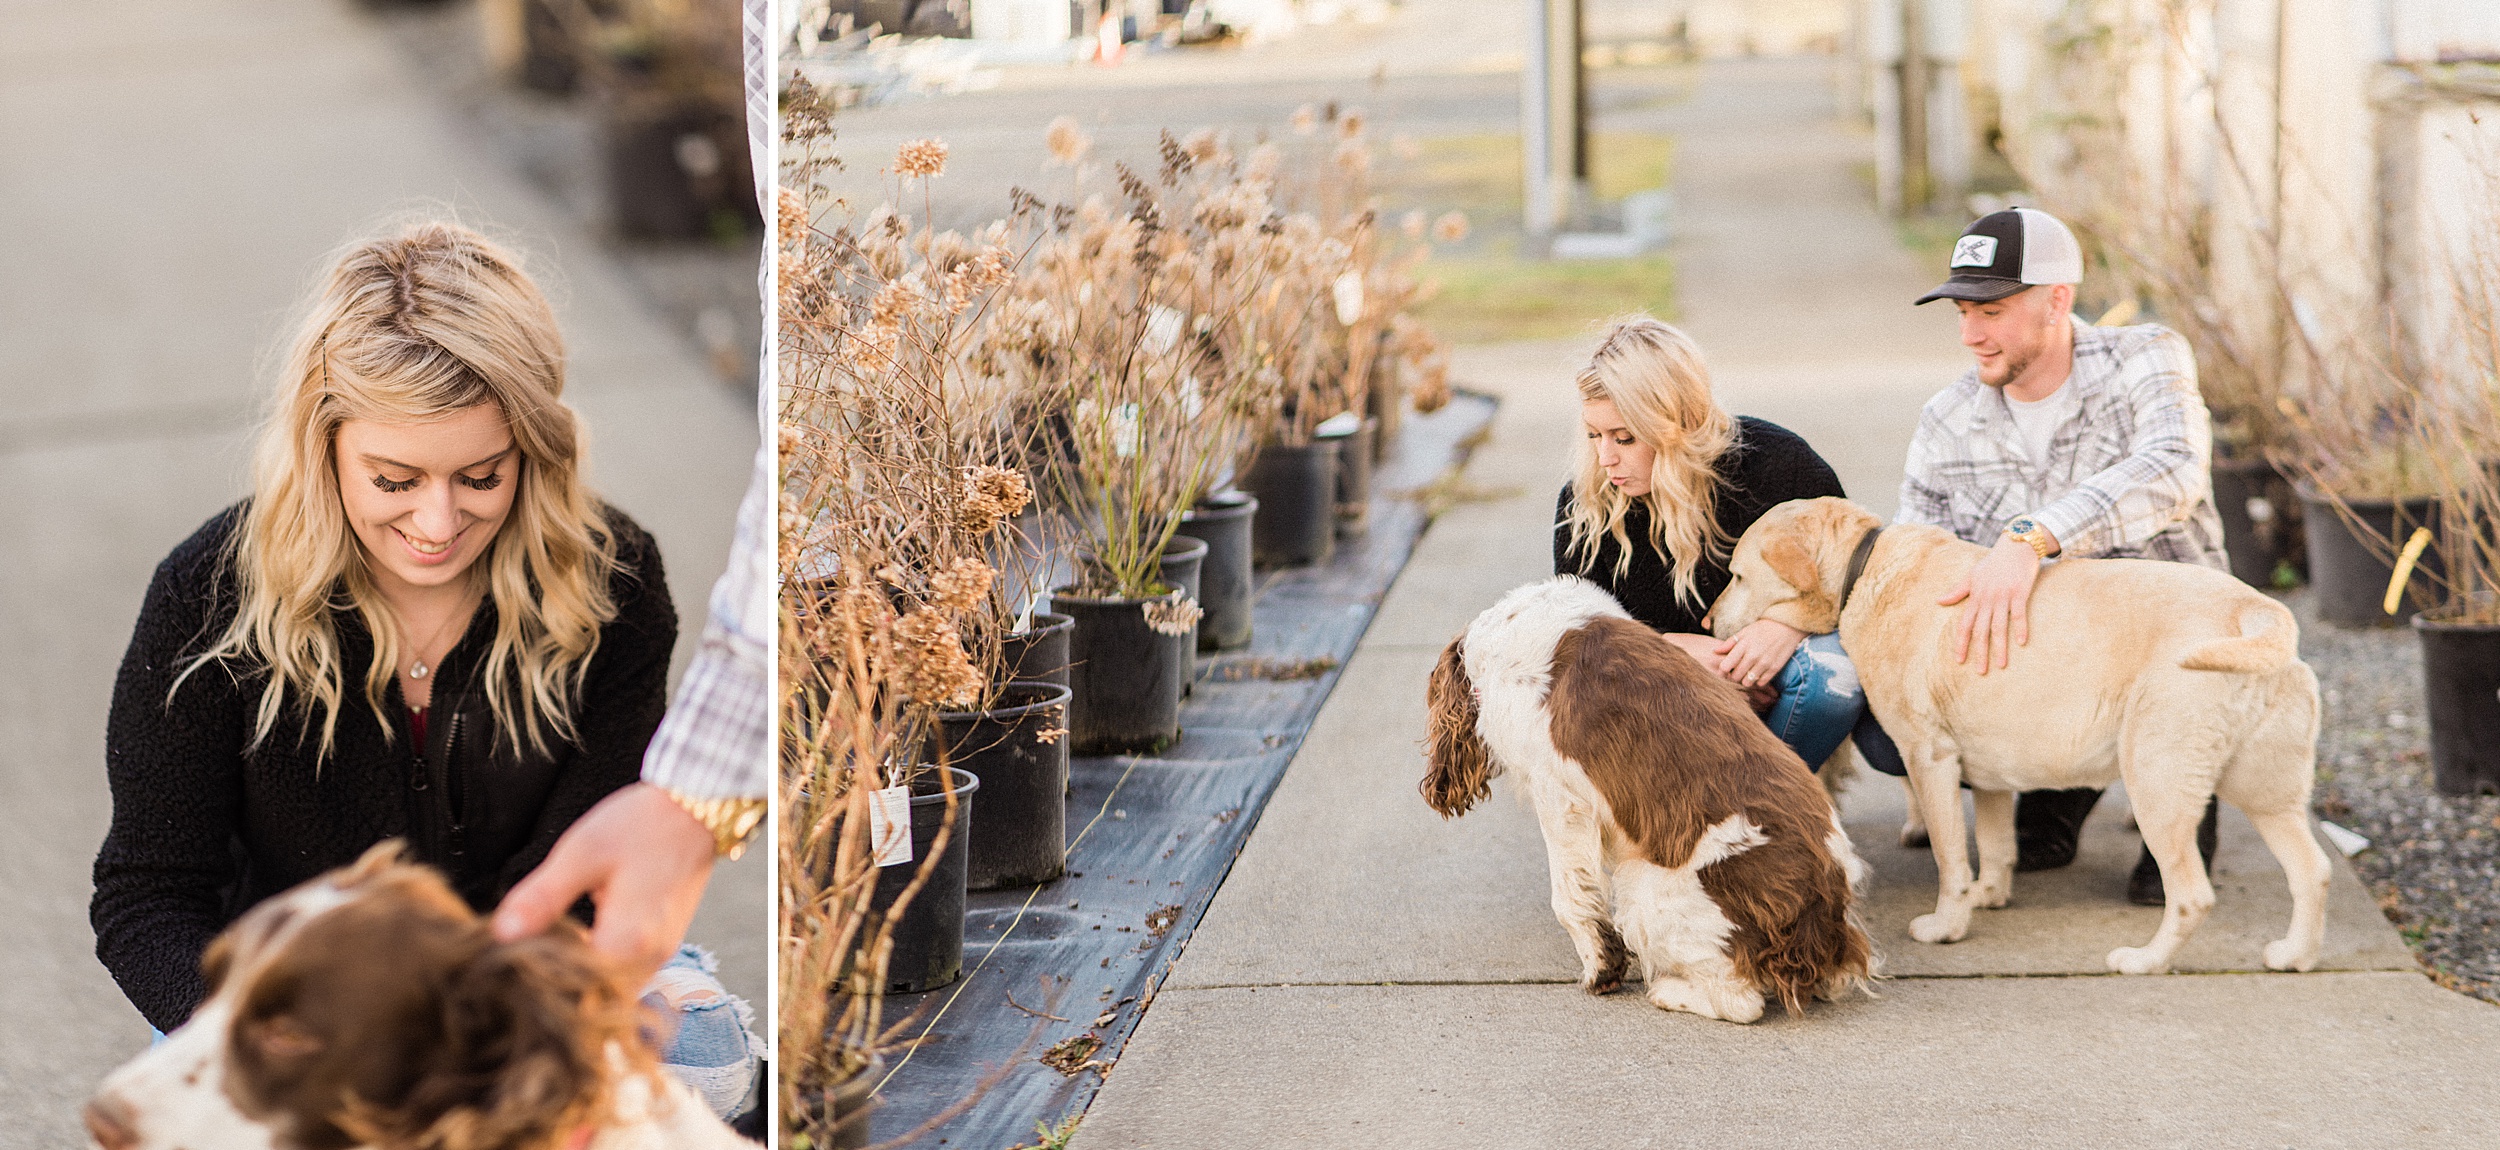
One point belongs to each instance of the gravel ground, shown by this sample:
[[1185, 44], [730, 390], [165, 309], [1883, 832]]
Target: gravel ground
[[2434, 860]]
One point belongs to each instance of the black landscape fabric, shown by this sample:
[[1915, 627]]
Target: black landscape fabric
[[1151, 838]]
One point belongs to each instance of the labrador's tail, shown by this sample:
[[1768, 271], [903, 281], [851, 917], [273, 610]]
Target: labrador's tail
[[2268, 640]]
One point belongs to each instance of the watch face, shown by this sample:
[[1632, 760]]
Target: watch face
[[2022, 526]]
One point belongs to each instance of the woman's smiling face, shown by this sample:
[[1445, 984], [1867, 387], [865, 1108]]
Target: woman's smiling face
[[1626, 459], [425, 499]]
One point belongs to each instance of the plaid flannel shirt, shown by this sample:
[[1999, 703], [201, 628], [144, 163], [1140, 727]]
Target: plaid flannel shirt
[[2126, 475], [716, 741]]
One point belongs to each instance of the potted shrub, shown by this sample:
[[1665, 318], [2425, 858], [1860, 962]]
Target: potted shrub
[[1135, 332], [900, 492], [1340, 351], [2367, 478], [669, 78], [2460, 437]]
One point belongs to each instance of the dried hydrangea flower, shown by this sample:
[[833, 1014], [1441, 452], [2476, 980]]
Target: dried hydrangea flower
[[929, 661], [1068, 143], [962, 586], [1305, 120], [1174, 614], [1432, 392], [1450, 228], [793, 215], [921, 158], [992, 495]]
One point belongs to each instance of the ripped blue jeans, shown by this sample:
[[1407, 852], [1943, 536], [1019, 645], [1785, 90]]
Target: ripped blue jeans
[[1820, 704]]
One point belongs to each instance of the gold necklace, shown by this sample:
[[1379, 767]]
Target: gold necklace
[[419, 670]]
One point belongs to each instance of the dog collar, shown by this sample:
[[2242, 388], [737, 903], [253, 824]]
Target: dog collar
[[1857, 564]]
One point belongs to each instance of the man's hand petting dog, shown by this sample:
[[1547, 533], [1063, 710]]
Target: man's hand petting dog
[[642, 860], [1998, 613]]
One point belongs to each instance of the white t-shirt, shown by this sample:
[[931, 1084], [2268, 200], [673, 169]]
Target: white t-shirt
[[2036, 422]]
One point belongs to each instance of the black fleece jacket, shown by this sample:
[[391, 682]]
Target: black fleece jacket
[[204, 827], [1768, 466]]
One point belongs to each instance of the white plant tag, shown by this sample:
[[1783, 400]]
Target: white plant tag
[[889, 825], [1348, 291], [1124, 430], [1163, 330], [2345, 841]]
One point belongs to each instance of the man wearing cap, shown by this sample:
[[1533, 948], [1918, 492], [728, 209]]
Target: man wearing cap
[[2065, 440]]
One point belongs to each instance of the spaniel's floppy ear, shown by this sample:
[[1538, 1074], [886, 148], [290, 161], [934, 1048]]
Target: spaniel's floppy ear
[[1459, 767], [531, 1029]]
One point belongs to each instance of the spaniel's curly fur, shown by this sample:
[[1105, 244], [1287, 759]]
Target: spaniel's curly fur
[[1733, 881], [372, 1008]]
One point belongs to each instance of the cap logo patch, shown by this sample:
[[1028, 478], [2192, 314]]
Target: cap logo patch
[[1974, 252]]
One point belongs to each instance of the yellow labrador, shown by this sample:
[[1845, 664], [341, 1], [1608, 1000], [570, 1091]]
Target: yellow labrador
[[2177, 678]]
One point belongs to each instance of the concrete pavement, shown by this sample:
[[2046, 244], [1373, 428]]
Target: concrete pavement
[[176, 175], [1371, 975]]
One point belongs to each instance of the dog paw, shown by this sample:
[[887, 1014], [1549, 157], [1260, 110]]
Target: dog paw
[[1993, 894], [1743, 1011], [1602, 981], [2286, 954], [1938, 928], [2137, 960]]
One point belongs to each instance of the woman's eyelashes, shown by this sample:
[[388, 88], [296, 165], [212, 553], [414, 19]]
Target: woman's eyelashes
[[486, 482]]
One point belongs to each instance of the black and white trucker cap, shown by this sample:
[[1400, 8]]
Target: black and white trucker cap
[[2008, 251]]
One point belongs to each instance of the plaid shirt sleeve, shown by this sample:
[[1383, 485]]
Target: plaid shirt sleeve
[[1923, 498], [2162, 477], [716, 741]]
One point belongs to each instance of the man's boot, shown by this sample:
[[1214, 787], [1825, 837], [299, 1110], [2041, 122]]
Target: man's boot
[[2047, 825], [2144, 886]]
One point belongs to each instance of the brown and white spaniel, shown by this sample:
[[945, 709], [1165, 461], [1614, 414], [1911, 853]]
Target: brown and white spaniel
[[371, 1008], [1733, 882]]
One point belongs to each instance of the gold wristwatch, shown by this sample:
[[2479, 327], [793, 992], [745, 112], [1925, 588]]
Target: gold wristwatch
[[2030, 532], [733, 822]]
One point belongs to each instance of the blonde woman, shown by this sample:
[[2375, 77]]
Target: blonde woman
[[420, 625], [1665, 483]]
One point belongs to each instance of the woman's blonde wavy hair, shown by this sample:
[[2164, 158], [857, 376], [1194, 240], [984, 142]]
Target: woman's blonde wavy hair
[[1658, 383], [413, 327]]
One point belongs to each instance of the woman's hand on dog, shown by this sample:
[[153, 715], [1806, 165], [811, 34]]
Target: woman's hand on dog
[[1997, 616], [1713, 655], [1753, 656]]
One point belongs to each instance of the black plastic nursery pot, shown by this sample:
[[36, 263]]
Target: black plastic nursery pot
[[1225, 584], [1297, 492], [929, 934], [2348, 581], [2461, 684], [1126, 675], [1386, 404], [1354, 477], [2258, 519], [852, 1101], [1040, 652], [1018, 750], [1184, 566], [675, 168]]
